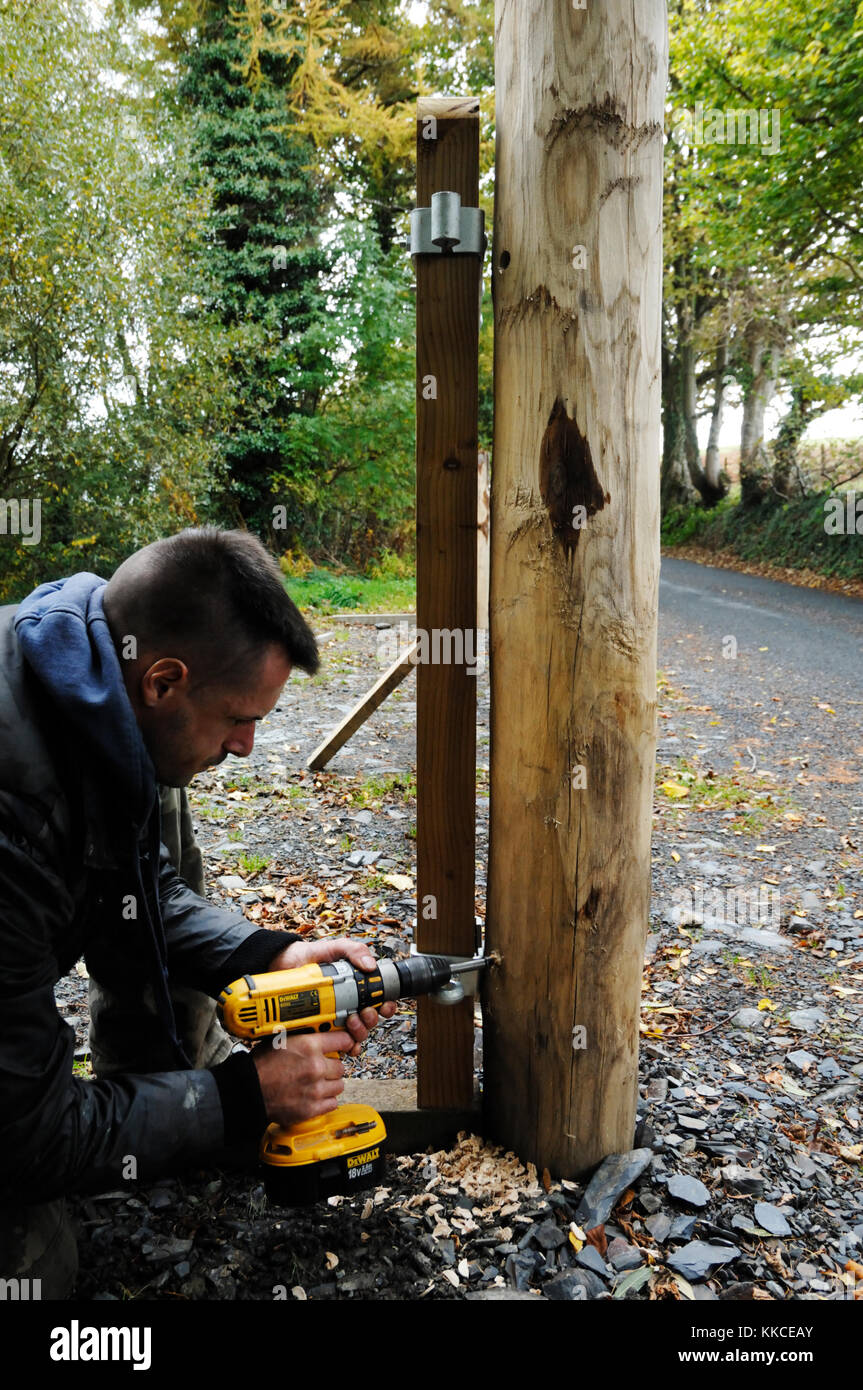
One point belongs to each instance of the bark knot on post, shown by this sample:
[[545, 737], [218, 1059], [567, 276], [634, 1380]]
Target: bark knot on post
[[568, 483]]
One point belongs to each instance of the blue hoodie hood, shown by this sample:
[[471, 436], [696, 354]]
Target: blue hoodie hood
[[65, 638]]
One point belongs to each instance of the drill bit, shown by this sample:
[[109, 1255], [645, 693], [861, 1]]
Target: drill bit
[[460, 967]]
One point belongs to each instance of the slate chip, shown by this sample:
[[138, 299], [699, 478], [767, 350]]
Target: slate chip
[[622, 1256], [575, 1286], [519, 1268], [589, 1258], [698, 1258], [550, 1236], [745, 1180], [689, 1190], [613, 1176], [659, 1226], [772, 1219]]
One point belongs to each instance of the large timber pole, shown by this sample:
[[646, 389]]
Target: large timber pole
[[574, 568]]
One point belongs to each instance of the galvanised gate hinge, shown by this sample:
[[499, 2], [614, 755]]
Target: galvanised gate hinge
[[446, 228]]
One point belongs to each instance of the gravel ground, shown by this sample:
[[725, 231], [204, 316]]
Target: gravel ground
[[745, 1178]]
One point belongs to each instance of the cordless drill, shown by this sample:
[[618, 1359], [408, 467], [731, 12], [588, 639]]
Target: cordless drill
[[342, 1151]]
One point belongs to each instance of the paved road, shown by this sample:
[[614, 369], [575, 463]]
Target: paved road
[[781, 669], [808, 633]]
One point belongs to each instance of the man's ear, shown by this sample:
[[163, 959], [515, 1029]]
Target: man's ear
[[166, 679]]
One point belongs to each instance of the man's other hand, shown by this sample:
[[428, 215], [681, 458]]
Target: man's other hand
[[298, 1080], [323, 953]]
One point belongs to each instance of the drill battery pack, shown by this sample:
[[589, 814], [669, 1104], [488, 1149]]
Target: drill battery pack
[[338, 1153]]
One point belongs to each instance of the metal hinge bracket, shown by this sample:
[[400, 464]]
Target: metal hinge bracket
[[447, 228]]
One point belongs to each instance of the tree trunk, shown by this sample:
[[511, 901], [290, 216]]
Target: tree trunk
[[717, 481], [762, 365], [676, 485], [709, 492], [574, 569]]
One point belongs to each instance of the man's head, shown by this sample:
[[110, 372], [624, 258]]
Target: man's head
[[206, 636]]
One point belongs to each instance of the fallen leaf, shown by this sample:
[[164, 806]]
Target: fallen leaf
[[766, 1004], [683, 1284], [399, 881], [633, 1280], [674, 789]]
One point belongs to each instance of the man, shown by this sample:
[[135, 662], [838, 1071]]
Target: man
[[110, 696]]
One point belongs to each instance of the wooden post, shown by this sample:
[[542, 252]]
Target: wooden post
[[447, 406], [574, 569]]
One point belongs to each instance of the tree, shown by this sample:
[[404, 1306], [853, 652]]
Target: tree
[[109, 391], [263, 261], [773, 232]]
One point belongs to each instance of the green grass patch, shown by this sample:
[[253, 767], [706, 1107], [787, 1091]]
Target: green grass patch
[[402, 785], [754, 800], [297, 796], [253, 863], [328, 591]]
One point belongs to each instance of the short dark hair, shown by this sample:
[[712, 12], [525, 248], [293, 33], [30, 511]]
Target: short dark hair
[[214, 598]]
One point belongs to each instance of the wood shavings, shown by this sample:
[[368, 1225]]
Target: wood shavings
[[486, 1172], [464, 1224]]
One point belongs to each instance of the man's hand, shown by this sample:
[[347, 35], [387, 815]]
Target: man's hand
[[323, 952], [297, 1079]]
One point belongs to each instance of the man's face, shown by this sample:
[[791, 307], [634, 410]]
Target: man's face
[[187, 730]]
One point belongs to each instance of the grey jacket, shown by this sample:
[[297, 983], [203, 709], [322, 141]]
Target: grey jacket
[[83, 872]]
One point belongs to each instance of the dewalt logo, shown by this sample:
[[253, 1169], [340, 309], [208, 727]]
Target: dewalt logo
[[367, 1157]]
